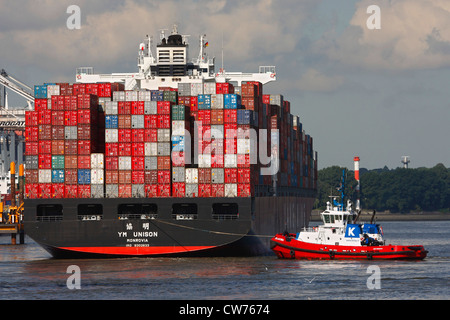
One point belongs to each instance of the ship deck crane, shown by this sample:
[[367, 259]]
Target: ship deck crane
[[18, 87]]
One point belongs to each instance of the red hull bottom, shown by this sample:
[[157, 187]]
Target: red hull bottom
[[289, 248]]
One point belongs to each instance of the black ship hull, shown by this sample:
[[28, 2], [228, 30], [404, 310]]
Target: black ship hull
[[131, 227]]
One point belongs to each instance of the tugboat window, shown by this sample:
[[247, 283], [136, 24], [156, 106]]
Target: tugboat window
[[90, 212], [49, 212]]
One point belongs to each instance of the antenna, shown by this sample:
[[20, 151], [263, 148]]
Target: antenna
[[222, 54], [405, 161]]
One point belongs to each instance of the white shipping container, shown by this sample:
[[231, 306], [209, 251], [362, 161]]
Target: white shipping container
[[231, 190], [163, 135], [97, 161], [178, 174], [191, 175], [217, 131], [45, 176], [217, 101], [151, 163], [111, 107], [191, 190], [138, 191], [243, 146], [204, 161], [97, 190], [230, 160], [111, 190], [131, 95], [97, 176], [119, 96], [217, 175], [124, 163], [52, 90], [111, 135], [71, 132], [164, 149], [137, 121], [145, 95], [150, 107], [151, 149], [209, 88], [196, 89], [178, 127]]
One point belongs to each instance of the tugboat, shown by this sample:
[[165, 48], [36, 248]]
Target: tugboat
[[341, 237]]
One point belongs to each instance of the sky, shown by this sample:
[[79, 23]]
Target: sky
[[379, 94]]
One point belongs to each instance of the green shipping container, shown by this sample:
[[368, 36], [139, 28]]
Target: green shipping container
[[57, 162], [178, 112]]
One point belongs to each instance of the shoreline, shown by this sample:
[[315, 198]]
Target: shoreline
[[384, 216]]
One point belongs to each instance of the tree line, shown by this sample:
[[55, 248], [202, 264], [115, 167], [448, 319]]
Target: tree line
[[397, 190]]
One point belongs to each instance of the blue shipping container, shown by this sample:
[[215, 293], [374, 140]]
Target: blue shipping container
[[204, 101], [178, 143], [111, 122], [40, 92], [231, 101], [57, 176], [84, 176]]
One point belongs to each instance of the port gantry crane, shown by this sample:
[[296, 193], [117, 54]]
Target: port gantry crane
[[8, 81]]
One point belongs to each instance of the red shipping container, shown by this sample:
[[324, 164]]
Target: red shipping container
[[84, 147], [70, 147], [84, 191], [230, 130], [32, 190], [204, 190], [40, 104], [111, 176], [32, 176], [78, 88], [84, 162], [57, 147], [45, 132], [125, 177], [124, 121], [164, 121], [45, 117], [243, 161], [31, 118], [87, 116], [71, 191], [266, 98], [105, 90], [230, 146], [70, 118], [217, 161], [31, 148], [71, 176], [45, 146], [230, 175], [204, 116], [138, 149], [151, 177], [178, 189], [57, 118], [178, 159], [218, 190], [86, 132], [70, 103], [151, 190], [58, 190], [230, 116], [45, 161], [111, 149], [138, 135], [124, 149], [57, 103], [112, 163], [92, 88], [164, 163], [31, 134], [164, 190], [124, 107], [138, 163], [244, 175], [204, 175], [125, 191], [164, 176], [88, 101], [244, 190], [150, 135], [45, 190], [124, 135], [217, 116], [151, 121], [137, 107], [194, 103], [137, 177], [164, 107], [70, 162]]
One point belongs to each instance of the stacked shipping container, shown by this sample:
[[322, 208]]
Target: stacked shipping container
[[96, 140]]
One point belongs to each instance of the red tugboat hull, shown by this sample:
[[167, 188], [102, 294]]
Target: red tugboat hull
[[287, 247]]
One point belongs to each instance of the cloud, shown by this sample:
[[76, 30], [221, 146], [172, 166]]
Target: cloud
[[414, 34], [314, 80]]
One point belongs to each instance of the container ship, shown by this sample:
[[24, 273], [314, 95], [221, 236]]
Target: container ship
[[175, 159]]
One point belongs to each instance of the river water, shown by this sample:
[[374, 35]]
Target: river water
[[28, 272]]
